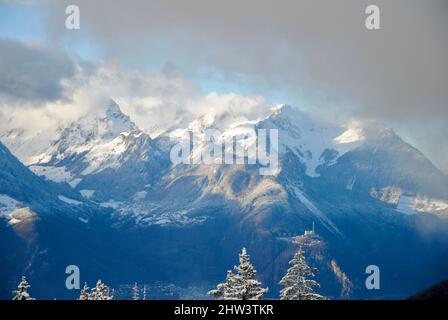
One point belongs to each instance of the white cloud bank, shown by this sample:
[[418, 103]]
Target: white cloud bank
[[153, 101]]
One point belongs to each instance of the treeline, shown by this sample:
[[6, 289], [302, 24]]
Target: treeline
[[240, 284]]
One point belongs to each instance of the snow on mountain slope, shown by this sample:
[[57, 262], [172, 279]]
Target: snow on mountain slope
[[106, 155], [94, 131], [308, 138], [111, 161], [305, 136], [106, 140], [24, 195], [56, 174], [69, 200], [28, 147], [95, 134], [96, 143], [326, 150]]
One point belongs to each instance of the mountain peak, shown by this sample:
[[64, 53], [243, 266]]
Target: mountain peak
[[288, 112], [282, 108], [113, 110], [109, 124]]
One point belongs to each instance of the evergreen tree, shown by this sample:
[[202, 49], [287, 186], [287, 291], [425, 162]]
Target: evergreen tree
[[144, 292], [101, 292], [297, 283], [135, 292], [241, 285], [222, 288], [22, 290], [85, 294]]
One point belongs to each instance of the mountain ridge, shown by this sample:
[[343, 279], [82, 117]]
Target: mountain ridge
[[351, 182]]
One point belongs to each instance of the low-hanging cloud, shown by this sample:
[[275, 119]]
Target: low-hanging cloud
[[32, 72], [154, 101]]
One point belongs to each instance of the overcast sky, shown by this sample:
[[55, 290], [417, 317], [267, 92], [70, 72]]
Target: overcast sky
[[314, 54]]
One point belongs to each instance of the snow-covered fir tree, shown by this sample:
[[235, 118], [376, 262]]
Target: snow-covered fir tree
[[85, 294], [22, 290], [101, 292], [145, 292], [135, 292], [297, 282], [218, 293], [241, 285]]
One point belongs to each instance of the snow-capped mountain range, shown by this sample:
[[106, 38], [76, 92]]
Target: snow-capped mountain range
[[349, 179], [108, 158]]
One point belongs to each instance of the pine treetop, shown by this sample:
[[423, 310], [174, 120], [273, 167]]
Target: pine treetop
[[241, 285], [85, 294], [22, 292], [100, 292], [297, 281], [135, 292]]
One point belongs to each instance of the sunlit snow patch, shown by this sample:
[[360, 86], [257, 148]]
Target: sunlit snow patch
[[111, 204], [415, 205], [56, 174], [69, 200], [87, 193], [354, 134]]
